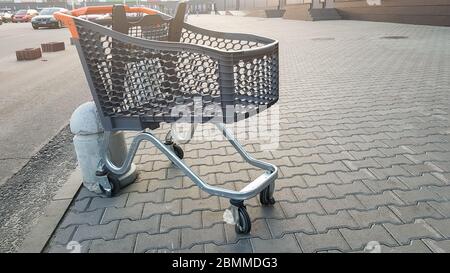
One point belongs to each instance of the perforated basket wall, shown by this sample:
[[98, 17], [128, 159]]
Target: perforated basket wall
[[136, 82]]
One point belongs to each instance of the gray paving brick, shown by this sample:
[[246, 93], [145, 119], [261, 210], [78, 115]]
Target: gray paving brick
[[441, 225], [410, 213], [222, 168], [105, 232], [352, 188], [413, 247], [376, 200], [329, 167], [80, 218], [365, 218], [342, 219], [304, 169], [242, 246], [314, 192], [315, 180], [173, 207], [296, 208], [104, 202], [210, 218], [172, 194], [295, 181], [260, 229], [80, 205], [442, 207], [438, 246], [214, 234], [414, 196], [258, 212], [125, 245], [286, 244], [407, 232], [348, 177], [150, 225], [379, 186], [170, 241], [189, 205], [63, 235], [113, 213], [333, 205], [355, 165], [393, 171], [332, 240], [358, 239], [193, 220], [138, 197], [387, 162], [67, 249]]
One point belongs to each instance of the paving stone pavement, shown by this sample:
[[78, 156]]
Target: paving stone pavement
[[364, 154]]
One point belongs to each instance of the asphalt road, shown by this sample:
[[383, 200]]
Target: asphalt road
[[36, 97]]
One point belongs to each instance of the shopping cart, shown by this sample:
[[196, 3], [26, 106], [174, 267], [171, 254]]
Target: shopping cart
[[142, 64]]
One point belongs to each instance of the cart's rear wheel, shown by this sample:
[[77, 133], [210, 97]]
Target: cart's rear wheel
[[243, 224], [266, 196]]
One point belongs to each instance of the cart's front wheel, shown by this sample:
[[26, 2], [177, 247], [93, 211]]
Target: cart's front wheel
[[243, 224], [114, 185], [266, 196], [178, 151]]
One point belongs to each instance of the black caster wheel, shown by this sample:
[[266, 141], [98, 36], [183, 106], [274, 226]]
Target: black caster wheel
[[114, 185], [178, 151], [243, 224], [266, 196]]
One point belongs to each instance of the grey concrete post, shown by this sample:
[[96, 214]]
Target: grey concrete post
[[88, 141], [316, 4]]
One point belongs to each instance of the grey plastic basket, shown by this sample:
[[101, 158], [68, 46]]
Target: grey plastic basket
[[137, 82]]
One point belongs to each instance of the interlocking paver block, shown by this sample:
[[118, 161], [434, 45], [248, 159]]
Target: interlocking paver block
[[105, 232], [379, 186], [312, 192], [170, 241], [189, 205], [366, 218], [414, 196], [410, 213], [334, 205], [292, 209], [343, 190], [407, 232], [376, 200], [150, 225], [358, 239], [113, 213], [287, 243], [260, 229], [144, 197], [442, 207], [213, 234], [438, 246], [80, 218], [192, 220], [125, 245], [104, 202], [242, 246], [322, 223], [173, 207], [332, 240], [441, 225]]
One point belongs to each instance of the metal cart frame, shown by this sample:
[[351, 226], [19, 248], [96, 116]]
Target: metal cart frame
[[128, 104]]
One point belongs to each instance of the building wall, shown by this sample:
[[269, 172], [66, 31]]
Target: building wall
[[423, 12]]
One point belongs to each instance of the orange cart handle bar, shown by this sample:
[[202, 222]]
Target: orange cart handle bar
[[67, 19]]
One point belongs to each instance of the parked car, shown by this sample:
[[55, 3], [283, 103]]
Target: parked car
[[24, 15], [5, 15], [46, 18]]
